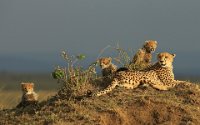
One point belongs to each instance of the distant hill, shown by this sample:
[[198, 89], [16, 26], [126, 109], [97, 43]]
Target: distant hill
[[45, 62], [19, 64]]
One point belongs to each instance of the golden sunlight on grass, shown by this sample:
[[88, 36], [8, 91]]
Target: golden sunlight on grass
[[10, 99]]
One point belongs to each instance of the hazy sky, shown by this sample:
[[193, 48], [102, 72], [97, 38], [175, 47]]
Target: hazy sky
[[33, 32]]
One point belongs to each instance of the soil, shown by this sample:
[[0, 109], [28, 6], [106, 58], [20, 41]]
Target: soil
[[140, 106]]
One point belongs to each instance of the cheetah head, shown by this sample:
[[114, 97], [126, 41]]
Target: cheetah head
[[166, 59], [105, 62], [150, 46], [27, 87]]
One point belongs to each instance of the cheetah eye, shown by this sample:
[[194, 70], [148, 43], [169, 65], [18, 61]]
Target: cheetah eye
[[166, 57]]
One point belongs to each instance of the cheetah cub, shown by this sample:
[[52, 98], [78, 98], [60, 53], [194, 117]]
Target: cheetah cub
[[29, 97], [142, 59], [108, 68]]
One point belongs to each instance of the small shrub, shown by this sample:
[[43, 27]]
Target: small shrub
[[73, 76], [123, 57]]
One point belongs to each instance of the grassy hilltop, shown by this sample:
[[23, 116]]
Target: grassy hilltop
[[179, 106], [70, 104]]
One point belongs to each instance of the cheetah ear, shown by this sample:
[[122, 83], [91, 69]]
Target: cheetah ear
[[157, 55], [110, 59], [98, 60], [174, 55], [156, 42], [22, 84], [32, 83], [145, 43]]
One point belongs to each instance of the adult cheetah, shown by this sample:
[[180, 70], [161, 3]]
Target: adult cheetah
[[160, 76]]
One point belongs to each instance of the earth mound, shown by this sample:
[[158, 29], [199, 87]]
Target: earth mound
[[140, 106]]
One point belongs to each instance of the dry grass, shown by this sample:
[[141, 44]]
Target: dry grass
[[140, 106], [10, 99], [69, 105]]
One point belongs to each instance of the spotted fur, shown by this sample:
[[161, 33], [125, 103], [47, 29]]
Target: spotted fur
[[159, 76]]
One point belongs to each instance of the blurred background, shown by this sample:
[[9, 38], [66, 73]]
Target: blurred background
[[33, 33]]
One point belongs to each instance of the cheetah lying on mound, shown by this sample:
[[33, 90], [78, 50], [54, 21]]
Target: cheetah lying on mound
[[142, 59], [159, 76]]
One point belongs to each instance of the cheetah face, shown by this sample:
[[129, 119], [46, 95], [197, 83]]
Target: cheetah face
[[105, 62], [165, 59], [27, 87], [150, 46]]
